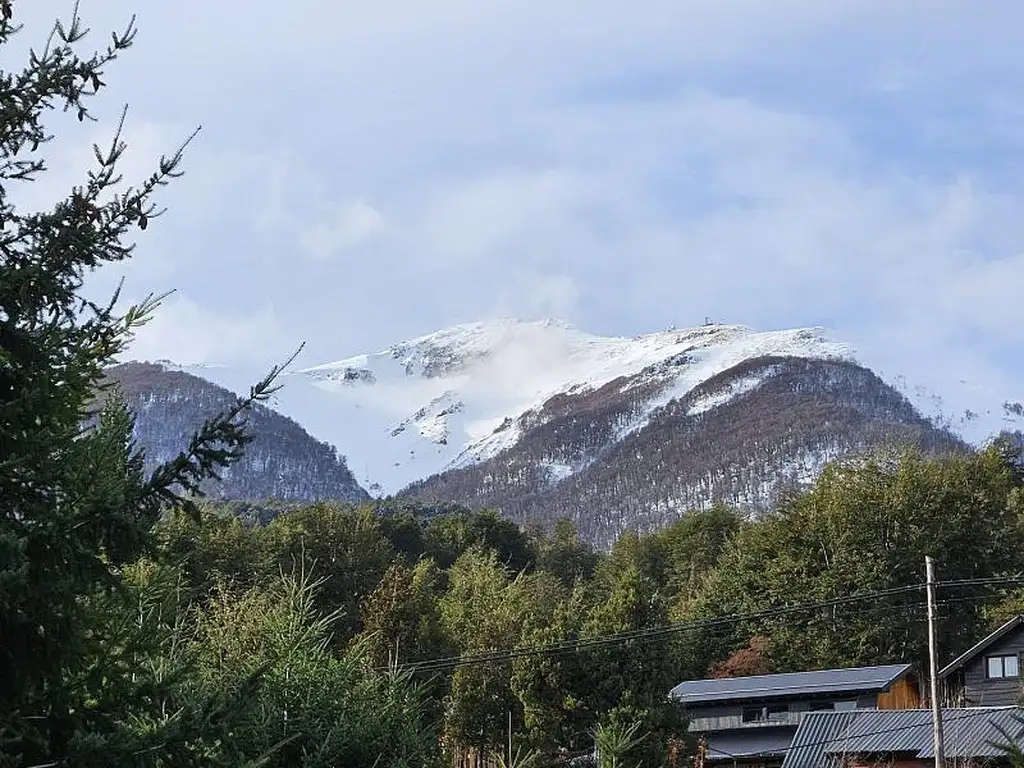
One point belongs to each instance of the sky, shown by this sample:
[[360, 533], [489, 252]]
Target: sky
[[369, 172]]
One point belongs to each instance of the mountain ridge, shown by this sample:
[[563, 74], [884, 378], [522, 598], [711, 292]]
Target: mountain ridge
[[452, 398], [542, 420], [779, 422], [283, 461]]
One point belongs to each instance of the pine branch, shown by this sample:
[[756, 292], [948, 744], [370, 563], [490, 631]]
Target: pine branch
[[217, 444]]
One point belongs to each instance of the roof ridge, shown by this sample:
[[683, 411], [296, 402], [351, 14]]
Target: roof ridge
[[980, 646]]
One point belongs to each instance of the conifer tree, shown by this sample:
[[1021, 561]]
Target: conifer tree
[[74, 506]]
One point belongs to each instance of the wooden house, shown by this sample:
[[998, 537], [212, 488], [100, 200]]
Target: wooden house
[[988, 674], [752, 720]]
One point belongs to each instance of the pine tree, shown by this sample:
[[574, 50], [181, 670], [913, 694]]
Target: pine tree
[[74, 506]]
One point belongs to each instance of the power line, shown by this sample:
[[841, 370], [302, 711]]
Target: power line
[[497, 656], [620, 637], [649, 633]]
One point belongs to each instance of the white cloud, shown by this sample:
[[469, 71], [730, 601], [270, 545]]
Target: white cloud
[[353, 225], [628, 165], [510, 211], [187, 333], [539, 297]]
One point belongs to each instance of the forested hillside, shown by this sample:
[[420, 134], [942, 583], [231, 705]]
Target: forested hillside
[[744, 437], [282, 462], [467, 602]]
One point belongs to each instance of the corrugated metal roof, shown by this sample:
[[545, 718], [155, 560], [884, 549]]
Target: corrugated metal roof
[[851, 680], [816, 731], [823, 736], [965, 732]]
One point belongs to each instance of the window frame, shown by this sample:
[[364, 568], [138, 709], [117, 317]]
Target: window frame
[[1001, 659]]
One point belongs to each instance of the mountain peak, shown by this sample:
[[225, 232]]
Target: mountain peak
[[541, 419], [447, 398]]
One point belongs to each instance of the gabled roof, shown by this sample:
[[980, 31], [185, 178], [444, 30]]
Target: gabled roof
[[971, 653], [823, 737], [852, 680]]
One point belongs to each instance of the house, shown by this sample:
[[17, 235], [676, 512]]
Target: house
[[989, 674], [903, 738], [752, 720]]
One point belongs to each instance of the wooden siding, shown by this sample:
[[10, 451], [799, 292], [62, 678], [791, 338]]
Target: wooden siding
[[903, 694], [981, 691]]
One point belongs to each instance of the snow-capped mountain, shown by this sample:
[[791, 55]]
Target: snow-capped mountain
[[283, 462], [744, 437], [457, 397], [542, 420]]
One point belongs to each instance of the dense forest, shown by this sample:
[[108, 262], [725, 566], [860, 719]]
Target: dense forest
[[282, 461], [142, 627], [496, 626], [399, 633]]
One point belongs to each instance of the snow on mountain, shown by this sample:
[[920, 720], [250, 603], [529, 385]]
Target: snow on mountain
[[456, 397]]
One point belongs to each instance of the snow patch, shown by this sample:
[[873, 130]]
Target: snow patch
[[557, 472], [736, 388]]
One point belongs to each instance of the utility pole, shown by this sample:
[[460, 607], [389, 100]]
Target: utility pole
[[929, 566]]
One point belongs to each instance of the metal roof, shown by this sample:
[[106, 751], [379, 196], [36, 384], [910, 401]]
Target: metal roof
[[815, 732], [980, 646], [969, 732], [754, 742], [790, 684]]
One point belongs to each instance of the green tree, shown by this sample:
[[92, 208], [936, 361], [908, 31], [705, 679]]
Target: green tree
[[564, 553], [345, 547], [74, 506], [615, 742], [553, 688], [483, 612], [450, 535], [402, 617], [692, 546], [214, 547], [630, 679], [866, 526], [314, 708]]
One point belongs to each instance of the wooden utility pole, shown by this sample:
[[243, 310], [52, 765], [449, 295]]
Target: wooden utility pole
[[933, 660]]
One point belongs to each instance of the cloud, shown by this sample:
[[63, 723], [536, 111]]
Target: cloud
[[510, 212], [352, 225], [628, 165], [187, 333], [539, 297]]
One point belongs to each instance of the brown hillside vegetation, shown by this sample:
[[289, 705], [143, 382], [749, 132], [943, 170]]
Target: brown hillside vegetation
[[747, 452]]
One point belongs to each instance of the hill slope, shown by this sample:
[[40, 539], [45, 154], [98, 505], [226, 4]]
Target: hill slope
[[742, 437], [282, 462], [543, 420], [455, 397]]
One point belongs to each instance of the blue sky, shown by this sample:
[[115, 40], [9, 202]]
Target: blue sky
[[372, 171]]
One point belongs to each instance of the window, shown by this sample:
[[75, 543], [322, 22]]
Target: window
[[765, 714], [845, 706], [1002, 666], [752, 714]]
